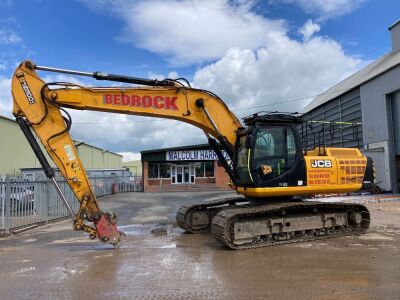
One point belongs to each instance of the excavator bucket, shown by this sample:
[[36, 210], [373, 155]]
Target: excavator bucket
[[107, 230]]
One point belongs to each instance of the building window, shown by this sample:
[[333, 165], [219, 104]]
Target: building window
[[199, 169], [153, 170], [209, 168], [204, 169], [165, 170]]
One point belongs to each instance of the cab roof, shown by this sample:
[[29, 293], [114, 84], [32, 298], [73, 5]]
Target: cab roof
[[273, 118]]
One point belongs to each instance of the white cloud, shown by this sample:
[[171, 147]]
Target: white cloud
[[171, 75], [191, 31], [129, 156], [123, 133], [5, 97], [9, 38], [309, 29], [6, 101], [49, 77], [325, 9], [264, 79]]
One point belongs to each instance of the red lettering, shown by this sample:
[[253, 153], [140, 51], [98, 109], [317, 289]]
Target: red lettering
[[107, 99], [146, 101], [158, 102], [117, 99], [135, 101], [125, 100], [170, 103]]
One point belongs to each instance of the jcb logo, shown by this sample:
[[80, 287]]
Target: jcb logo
[[321, 163]]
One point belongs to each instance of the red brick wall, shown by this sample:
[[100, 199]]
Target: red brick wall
[[145, 175], [221, 177]]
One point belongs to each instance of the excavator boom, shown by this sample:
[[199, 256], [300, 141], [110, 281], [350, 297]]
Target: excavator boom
[[40, 106], [267, 166]]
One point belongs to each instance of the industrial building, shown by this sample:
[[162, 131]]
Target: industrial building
[[16, 153], [134, 166], [371, 97], [189, 168]]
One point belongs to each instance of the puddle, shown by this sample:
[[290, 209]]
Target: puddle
[[23, 271], [170, 246], [70, 240], [151, 214], [102, 256], [136, 229], [29, 241], [24, 260], [375, 236]]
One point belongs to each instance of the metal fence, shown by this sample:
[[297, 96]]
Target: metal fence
[[25, 203]]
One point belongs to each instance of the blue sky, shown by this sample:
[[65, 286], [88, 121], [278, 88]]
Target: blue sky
[[70, 34], [290, 49]]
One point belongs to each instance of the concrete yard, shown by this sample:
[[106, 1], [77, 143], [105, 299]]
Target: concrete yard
[[54, 262]]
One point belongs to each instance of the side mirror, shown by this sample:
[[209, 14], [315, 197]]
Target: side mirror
[[248, 142]]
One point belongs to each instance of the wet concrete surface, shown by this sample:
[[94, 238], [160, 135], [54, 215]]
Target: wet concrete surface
[[54, 262]]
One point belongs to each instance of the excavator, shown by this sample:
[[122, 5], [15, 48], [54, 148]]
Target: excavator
[[268, 167]]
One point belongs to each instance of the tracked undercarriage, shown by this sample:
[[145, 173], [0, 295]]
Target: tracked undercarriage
[[238, 224], [196, 218]]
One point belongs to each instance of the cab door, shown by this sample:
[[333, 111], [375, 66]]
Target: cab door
[[277, 158]]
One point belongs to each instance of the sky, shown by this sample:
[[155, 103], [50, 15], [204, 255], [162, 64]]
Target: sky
[[257, 55]]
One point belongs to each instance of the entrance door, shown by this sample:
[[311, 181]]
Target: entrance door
[[186, 174], [183, 174], [179, 174]]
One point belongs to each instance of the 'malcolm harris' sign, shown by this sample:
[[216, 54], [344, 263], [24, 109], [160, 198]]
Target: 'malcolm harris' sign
[[194, 155]]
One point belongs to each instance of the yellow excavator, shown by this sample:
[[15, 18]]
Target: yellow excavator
[[267, 164]]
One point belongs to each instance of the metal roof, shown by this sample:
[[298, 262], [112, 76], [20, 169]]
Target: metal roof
[[371, 71], [394, 24], [7, 118]]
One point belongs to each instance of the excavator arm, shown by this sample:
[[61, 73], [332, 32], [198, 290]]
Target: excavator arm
[[40, 106]]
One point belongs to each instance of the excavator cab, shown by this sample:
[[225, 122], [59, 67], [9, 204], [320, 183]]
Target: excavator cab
[[269, 152]]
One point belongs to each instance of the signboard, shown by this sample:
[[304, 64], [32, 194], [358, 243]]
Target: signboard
[[194, 155]]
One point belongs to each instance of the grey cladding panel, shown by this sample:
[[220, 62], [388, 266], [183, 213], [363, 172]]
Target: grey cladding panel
[[396, 120], [374, 105], [346, 108]]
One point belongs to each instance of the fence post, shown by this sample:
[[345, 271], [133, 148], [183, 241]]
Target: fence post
[[7, 204], [46, 201]]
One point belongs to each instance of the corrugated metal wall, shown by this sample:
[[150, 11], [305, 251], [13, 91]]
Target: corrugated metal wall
[[97, 158], [15, 151], [396, 121], [346, 108]]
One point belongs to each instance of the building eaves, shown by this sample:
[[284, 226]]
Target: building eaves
[[200, 146], [80, 143], [376, 68], [394, 24], [7, 118]]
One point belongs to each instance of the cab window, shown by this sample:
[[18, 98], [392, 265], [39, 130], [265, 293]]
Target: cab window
[[274, 151], [242, 161]]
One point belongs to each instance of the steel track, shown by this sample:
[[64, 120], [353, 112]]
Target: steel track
[[211, 208], [222, 223]]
